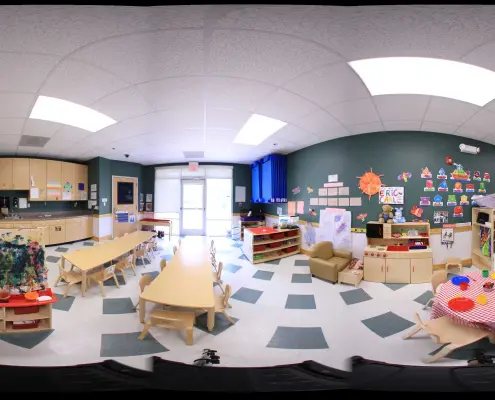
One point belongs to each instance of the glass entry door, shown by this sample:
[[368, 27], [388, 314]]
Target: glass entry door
[[192, 221]]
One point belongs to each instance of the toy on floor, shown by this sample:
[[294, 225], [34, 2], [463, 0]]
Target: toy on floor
[[386, 216], [399, 218], [356, 263]]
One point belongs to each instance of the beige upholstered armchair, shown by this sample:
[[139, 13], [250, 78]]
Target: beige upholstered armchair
[[326, 263]]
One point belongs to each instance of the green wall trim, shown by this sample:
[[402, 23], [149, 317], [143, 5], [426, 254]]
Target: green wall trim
[[390, 154]]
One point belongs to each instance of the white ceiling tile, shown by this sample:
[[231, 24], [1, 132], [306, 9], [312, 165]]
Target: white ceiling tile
[[402, 125], [15, 105], [354, 112], [241, 94], [296, 135], [429, 126], [71, 134], [401, 107], [285, 106], [57, 145], [10, 140], [449, 111], [81, 83], [127, 103], [483, 121], [38, 127], [263, 56], [329, 85], [221, 135], [11, 126], [470, 132], [27, 150], [226, 119], [148, 56], [322, 124], [366, 127]]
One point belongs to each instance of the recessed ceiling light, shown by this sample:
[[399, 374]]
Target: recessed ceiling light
[[257, 129], [68, 113], [428, 76]]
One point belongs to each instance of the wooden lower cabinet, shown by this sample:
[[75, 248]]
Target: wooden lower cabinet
[[57, 231], [398, 270], [421, 270], [374, 269]]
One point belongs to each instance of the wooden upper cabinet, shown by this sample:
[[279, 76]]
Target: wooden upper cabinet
[[20, 177], [53, 180], [6, 166], [81, 179], [68, 181], [37, 177]]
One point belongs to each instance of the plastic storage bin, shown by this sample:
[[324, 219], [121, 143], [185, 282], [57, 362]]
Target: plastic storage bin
[[275, 245], [275, 236], [290, 233], [259, 247], [290, 249]]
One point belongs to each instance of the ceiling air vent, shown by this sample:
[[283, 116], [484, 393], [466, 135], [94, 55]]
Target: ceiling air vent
[[194, 154], [33, 141]]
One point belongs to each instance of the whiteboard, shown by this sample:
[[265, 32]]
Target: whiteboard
[[240, 194]]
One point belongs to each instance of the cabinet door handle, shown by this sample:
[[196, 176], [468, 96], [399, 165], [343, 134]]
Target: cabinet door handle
[[413, 268], [387, 268], [382, 267]]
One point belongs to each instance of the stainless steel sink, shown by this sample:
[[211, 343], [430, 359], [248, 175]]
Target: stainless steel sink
[[13, 217]]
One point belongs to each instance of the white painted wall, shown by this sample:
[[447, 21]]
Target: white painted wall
[[104, 226], [461, 247]]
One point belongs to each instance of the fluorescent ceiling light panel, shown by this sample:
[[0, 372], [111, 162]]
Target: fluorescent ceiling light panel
[[428, 76], [68, 113], [257, 129]]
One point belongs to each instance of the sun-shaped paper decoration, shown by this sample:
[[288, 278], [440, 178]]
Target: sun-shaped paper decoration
[[370, 183]]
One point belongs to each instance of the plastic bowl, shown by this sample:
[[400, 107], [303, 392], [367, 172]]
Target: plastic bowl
[[31, 296]]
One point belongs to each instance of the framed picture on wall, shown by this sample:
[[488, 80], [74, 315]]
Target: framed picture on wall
[[141, 206], [149, 207]]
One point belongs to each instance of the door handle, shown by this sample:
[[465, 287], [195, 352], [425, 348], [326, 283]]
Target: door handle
[[382, 267], [387, 268], [413, 268]]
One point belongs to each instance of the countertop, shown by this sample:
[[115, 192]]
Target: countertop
[[35, 216]]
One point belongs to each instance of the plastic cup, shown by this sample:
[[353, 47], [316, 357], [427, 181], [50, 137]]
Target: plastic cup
[[463, 286], [485, 273]]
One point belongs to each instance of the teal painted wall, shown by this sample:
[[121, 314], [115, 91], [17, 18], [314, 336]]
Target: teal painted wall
[[390, 154], [108, 168]]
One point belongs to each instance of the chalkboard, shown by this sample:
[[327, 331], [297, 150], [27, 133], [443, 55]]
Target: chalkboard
[[389, 155]]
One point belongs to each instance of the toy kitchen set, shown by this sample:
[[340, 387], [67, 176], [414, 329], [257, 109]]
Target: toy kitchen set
[[398, 253]]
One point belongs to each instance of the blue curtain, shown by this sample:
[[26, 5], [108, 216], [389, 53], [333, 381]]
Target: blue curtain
[[256, 182], [274, 179]]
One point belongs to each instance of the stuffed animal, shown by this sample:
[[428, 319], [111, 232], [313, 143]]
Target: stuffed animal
[[386, 216], [398, 218]]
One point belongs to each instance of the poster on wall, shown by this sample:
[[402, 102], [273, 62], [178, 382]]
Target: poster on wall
[[391, 195], [149, 198], [149, 207], [440, 217], [335, 226]]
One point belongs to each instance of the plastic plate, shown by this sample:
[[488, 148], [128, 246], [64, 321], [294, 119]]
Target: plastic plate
[[461, 304], [457, 280]]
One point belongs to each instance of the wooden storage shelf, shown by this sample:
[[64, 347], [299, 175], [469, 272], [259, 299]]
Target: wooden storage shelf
[[412, 266], [276, 257], [269, 250], [256, 243], [44, 325], [44, 313], [477, 258], [249, 243]]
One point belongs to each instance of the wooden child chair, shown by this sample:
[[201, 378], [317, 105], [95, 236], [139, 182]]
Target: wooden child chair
[[141, 252], [453, 262], [101, 276], [163, 264], [175, 249], [70, 277], [124, 264], [169, 319], [217, 277], [437, 279], [222, 302], [144, 281]]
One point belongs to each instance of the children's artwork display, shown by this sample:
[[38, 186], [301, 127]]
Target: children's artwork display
[[464, 200], [437, 201], [459, 174], [424, 201], [391, 195], [486, 177], [429, 186], [362, 217], [443, 187], [485, 241], [22, 262], [457, 187], [451, 200], [416, 211], [458, 212], [440, 217], [469, 188], [441, 174], [309, 233], [482, 188], [335, 227], [404, 176], [296, 190], [477, 176], [425, 173], [370, 183]]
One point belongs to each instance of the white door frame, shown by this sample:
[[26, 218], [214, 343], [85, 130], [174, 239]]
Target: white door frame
[[194, 181]]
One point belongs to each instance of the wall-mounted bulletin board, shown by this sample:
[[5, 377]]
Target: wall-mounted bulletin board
[[327, 175]]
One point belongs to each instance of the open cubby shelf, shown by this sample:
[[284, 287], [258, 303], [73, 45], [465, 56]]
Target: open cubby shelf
[[480, 260]]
